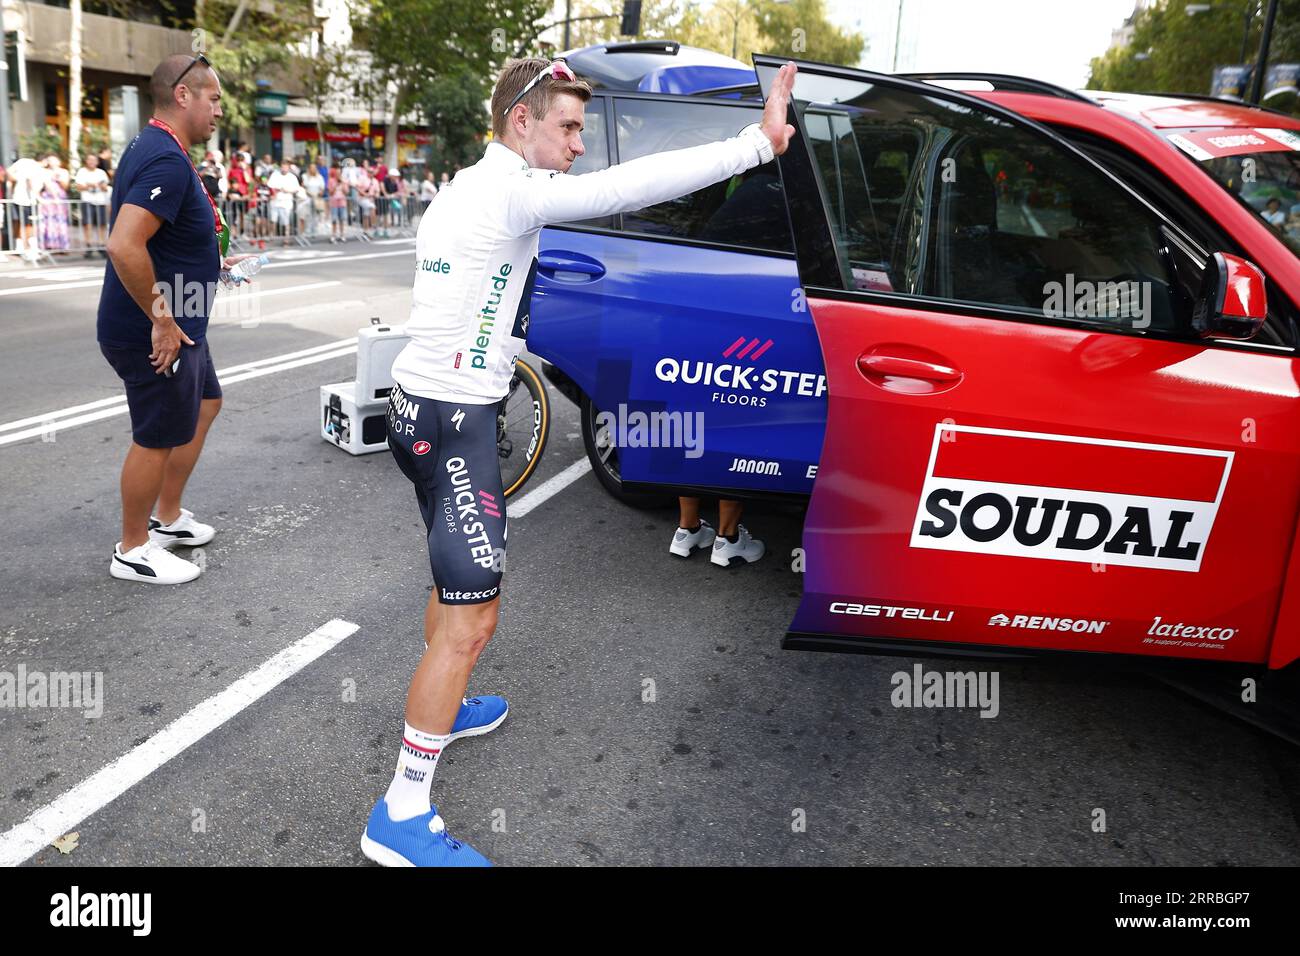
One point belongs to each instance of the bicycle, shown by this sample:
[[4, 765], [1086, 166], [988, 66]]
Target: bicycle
[[523, 425]]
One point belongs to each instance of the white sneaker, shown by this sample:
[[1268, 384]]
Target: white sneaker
[[151, 564], [183, 531], [745, 549], [684, 542]]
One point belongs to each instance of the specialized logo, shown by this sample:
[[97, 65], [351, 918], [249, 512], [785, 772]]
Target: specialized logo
[[1067, 498], [487, 317], [1191, 631], [755, 466], [458, 418], [153, 193], [421, 448], [886, 610], [739, 380], [1076, 624], [467, 509]]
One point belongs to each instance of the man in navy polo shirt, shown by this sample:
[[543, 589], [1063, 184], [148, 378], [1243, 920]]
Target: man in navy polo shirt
[[164, 258]]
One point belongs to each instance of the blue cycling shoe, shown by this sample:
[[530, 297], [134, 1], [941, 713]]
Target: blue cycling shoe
[[419, 841], [478, 715]]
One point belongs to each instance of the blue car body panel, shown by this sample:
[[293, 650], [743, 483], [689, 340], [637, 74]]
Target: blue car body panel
[[647, 326]]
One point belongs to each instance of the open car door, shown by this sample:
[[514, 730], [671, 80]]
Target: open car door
[[1027, 445]]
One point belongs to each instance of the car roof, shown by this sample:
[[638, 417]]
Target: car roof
[[1180, 112], [657, 66]]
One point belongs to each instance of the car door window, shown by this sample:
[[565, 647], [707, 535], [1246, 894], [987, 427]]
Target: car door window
[[944, 201], [746, 210]]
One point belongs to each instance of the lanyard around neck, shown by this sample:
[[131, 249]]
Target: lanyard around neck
[[216, 214]]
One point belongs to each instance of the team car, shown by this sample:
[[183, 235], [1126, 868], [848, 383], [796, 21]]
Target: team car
[[1031, 353]]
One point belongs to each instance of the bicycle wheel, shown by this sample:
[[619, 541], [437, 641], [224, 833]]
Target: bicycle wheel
[[523, 422]]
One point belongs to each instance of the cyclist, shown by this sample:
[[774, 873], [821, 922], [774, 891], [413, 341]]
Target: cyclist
[[476, 257]]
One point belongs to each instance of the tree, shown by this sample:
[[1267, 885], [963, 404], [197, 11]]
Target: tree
[[454, 108], [795, 28], [1173, 51], [244, 40], [415, 42]]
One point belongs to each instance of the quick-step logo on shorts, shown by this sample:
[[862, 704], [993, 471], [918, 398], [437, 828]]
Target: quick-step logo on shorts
[[1068, 498], [467, 504]]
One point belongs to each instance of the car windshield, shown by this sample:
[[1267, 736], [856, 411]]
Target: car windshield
[[1260, 167]]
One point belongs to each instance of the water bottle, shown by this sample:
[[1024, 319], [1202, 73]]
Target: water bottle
[[243, 270]]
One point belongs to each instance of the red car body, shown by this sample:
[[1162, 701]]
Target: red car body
[[974, 454]]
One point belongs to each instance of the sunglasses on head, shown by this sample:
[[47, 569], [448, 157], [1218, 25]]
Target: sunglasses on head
[[199, 58], [557, 70]]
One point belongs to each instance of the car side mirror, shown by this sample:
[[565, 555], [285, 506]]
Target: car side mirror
[[1231, 303]]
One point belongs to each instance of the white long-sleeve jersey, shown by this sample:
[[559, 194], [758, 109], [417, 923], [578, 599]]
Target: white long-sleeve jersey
[[476, 253]]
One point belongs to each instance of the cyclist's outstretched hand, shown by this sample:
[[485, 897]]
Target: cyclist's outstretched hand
[[774, 112]]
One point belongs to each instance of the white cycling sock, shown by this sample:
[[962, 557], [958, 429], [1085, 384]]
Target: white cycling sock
[[408, 794]]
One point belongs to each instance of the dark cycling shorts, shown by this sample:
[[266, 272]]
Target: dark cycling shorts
[[449, 451], [164, 411]]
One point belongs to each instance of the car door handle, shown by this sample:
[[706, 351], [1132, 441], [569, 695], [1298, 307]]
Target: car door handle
[[907, 368], [549, 263]]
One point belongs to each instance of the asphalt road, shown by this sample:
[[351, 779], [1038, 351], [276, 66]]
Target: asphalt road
[[654, 719]]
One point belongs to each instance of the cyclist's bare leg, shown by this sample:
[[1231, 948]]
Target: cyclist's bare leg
[[728, 516], [435, 616], [454, 646], [690, 512]]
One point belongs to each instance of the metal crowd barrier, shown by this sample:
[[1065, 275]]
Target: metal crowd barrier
[[260, 223], [50, 230], [47, 228]]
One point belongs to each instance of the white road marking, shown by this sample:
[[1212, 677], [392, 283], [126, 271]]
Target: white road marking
[[51, 425], [52, 288], [121, 399], [106, 785], [91, 283], [551, 486]]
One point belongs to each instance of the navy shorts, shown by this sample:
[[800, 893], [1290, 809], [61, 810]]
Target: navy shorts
[[164, 411], [449, 452]]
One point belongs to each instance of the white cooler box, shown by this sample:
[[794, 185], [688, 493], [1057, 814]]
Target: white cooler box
[[352, 413]]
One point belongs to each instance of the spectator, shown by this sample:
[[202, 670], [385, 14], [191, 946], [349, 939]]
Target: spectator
[[106, 162], [164, 226], [314, 185], [265, 166], [1273, 213], [211, 178], [428, 189], [445, 179], [390, 191], [261, 210], [284, 190], [54, 206], [367, 189], [237, 193], [92, 187], [27, 179], [338, 206]]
